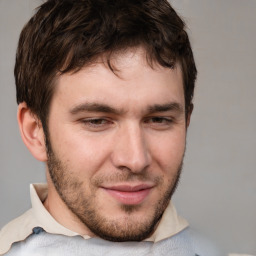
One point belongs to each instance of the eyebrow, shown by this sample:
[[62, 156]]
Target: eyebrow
[[95, 107], [104, 108], [173, 106]]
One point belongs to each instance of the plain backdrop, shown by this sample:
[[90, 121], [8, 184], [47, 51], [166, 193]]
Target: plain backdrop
[[217, 192]]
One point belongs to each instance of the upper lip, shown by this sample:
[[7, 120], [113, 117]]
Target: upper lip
[[129, 187]]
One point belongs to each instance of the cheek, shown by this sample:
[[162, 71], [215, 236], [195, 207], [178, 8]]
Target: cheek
[[81, 153], [168, 150]]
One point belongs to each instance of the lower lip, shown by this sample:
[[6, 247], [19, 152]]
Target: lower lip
[[129, 198]]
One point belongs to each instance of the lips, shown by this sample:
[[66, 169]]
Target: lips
[[128, 194]]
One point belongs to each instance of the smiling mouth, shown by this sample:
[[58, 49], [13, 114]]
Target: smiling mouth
[[129, 195]]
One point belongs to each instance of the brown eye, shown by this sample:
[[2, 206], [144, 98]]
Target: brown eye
[[97, 121], [159, 123], [159, 120], [96, 124]]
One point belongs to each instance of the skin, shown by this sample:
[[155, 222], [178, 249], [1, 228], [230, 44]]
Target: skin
[[115, 147]]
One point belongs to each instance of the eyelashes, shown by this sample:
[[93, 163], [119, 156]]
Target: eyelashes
[[100, 124]]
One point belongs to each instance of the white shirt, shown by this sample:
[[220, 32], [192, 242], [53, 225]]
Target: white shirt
[[22, 227]]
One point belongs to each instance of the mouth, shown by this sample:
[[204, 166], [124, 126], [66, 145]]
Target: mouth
[[128, 194]]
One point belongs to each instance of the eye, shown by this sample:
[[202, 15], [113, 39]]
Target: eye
[[96, 124], [159, 122]]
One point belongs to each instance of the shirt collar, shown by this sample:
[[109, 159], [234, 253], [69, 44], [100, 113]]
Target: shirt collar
[[20, 228]]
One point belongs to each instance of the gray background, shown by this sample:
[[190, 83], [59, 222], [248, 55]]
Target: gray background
[[217, 193]]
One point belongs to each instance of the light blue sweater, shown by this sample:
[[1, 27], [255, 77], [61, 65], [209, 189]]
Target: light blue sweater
[[43, 244]]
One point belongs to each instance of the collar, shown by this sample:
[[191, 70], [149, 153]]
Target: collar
[[20, 228]]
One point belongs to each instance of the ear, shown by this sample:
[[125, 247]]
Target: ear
[[32, 132], [190, 110]]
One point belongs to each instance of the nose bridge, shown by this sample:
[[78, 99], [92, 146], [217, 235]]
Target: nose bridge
[[131, 149]]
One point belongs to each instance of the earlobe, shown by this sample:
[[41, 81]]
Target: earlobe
[[31, 132]]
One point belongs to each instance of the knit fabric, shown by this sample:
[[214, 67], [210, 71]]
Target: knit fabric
[[41, 243]]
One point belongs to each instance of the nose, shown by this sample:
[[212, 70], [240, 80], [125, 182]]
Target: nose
[[131, 149]]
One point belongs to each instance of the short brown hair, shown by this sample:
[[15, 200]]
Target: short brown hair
[[66, 35]]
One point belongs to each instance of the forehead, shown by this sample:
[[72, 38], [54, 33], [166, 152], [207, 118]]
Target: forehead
[[131, 80]]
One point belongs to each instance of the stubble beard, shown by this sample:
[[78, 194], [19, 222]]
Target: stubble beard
[[84, 207]]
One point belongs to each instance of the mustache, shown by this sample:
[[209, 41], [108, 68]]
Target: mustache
[[126, 176]]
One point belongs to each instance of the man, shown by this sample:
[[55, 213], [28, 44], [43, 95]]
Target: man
[[105, 94]]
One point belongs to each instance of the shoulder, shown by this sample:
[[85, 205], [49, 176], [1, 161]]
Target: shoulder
[[190, 242], [17, 230], [40, 243], [204, 246]]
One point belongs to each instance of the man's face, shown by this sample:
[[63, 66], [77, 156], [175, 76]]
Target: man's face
[[116, 144]]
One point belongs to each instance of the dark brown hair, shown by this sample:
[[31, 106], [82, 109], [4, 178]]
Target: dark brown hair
[[66, 35]]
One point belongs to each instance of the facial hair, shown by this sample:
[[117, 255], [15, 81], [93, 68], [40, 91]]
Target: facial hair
[[79, 197]]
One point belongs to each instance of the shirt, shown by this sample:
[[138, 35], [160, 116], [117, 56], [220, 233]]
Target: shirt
[[22, 227]]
